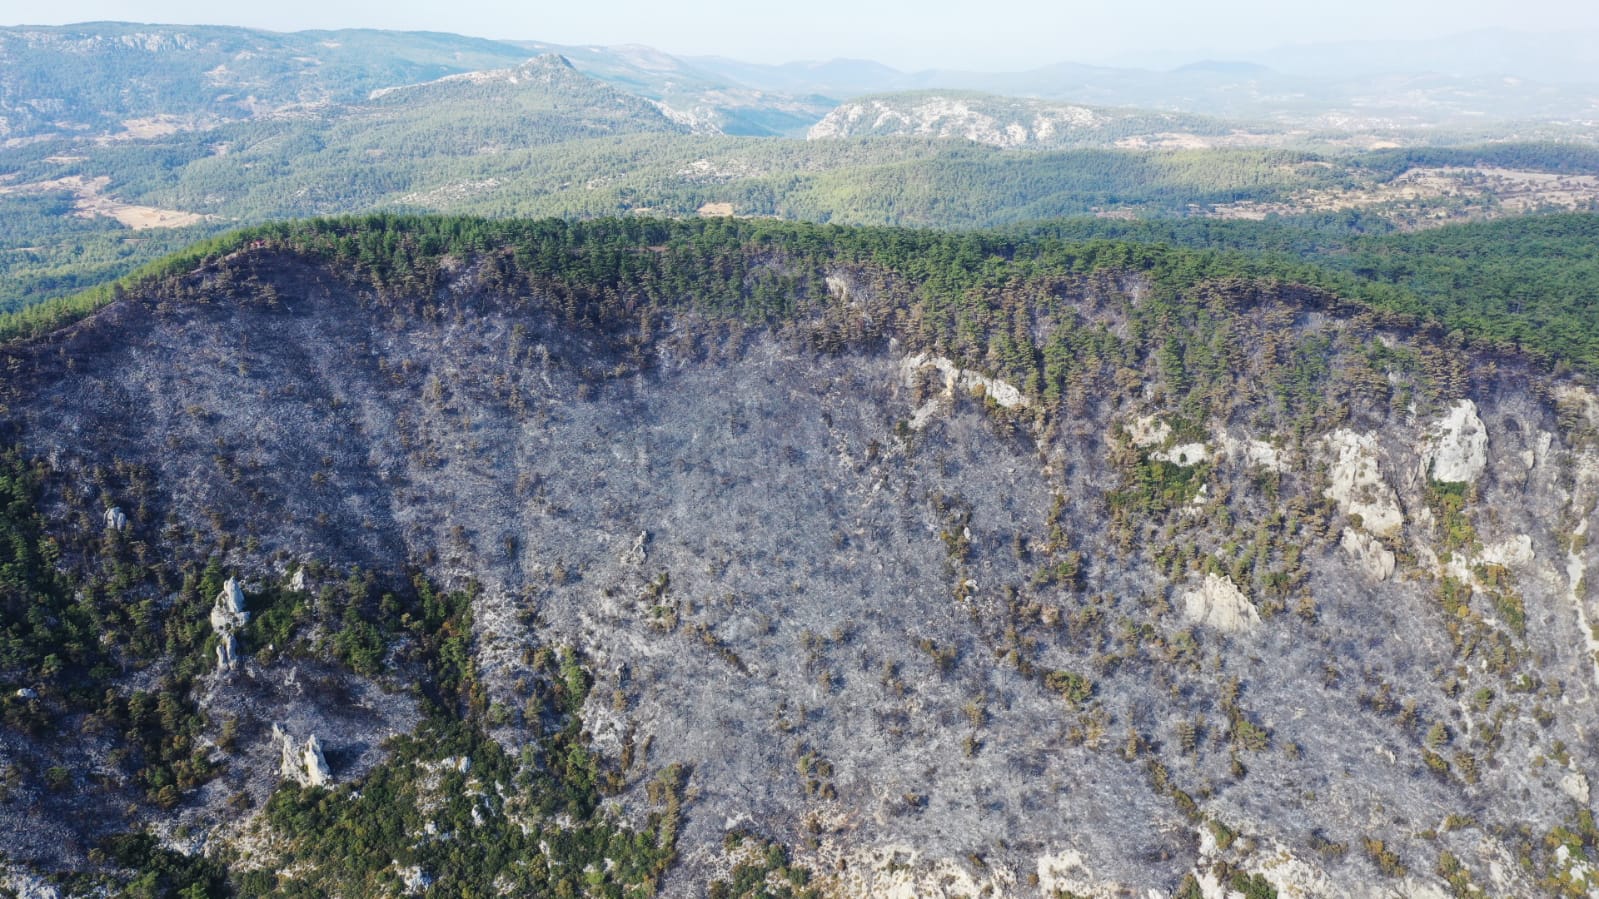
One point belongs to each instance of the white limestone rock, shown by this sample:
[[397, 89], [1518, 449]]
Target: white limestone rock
[[1413, 888], [316, 766], [1293, 877], [115, 519], [227, 652], [636, 554], [1457, 446], [955, 378], [302, 763], [297, 583], [288, 758], [228, 611], [1374, 558], [1218, 603], [228, 615], [1511, 552], [1575, 785], [1248, 451], [1357, 484], [1186, 455], [1147, 431], [1064, 873], [414, 879], [1532, 458]]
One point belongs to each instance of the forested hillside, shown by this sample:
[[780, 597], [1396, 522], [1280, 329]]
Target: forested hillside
[[1529, 286], [119, 77], [629, 557], [489, 159]]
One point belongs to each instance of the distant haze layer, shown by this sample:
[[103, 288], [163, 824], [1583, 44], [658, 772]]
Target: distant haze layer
[[1005, 35]]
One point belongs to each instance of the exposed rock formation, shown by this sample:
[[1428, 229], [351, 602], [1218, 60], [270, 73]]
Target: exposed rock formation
[[228, 611], [1148, 430], [636, 554], [1247, 450], [301, 763], [1184, 455], [955, 378], [415, 879], [1575, 785], [1457, 446], [1295, 878], [1357, 484], [115, 519], [316, 767], [227, 651], [228, 615], [1219, 604], [996, 121], [1374, 558]]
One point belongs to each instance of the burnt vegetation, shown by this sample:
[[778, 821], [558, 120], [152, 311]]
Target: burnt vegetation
[[606, 535]]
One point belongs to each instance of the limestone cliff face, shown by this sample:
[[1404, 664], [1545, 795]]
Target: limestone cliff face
[[1027, 122], [936, 629], [1456, 450], [1006, 122]]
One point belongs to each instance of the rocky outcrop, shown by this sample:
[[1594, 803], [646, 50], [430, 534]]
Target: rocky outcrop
[[636, 554], [1357, 484], [1218, 603], [228, 611], [996, 121], [955, 378], [302, 763], [414, 879], [1367, 551], [1457, 446], [1513, 551], [1294, 878], [227, 651], [1064, 873], [228, 616], [1248, 451], [1184, 455], [115, 519], [316, 766], [1147, 431], [1575, 785]]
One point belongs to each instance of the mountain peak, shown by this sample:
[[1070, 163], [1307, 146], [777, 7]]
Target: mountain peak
[[549, 61]]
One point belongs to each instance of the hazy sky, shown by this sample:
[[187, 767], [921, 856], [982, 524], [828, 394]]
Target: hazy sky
[[988, 34]]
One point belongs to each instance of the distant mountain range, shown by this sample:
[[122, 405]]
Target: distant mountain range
[[128, 79], [97, 77], [1236, 89], [1555, 58]]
